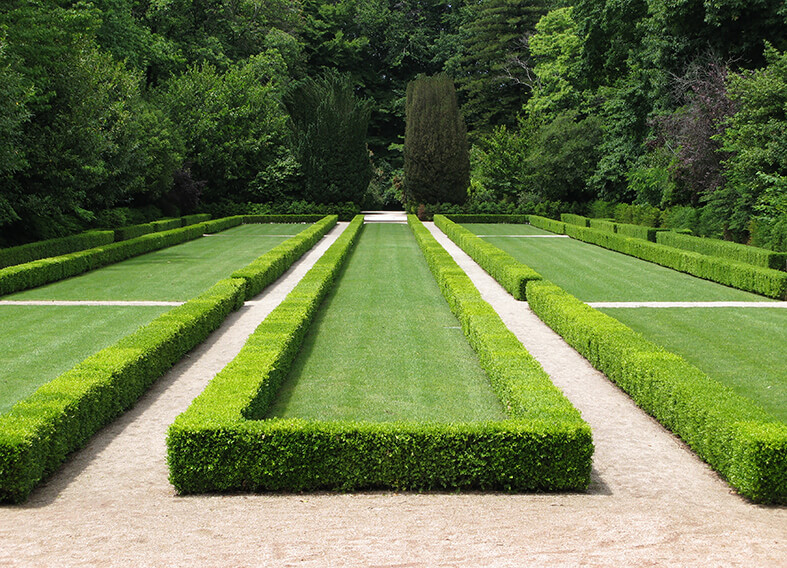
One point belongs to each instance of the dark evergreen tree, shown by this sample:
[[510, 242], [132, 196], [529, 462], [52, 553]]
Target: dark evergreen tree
[[436, 157], [328, 124]]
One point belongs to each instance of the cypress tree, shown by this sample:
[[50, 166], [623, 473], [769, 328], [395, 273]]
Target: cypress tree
[[436, 157]]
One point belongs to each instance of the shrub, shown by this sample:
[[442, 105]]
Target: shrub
[[547, 224], [575, 219], [54, 247], [194, 219], [603, 225]]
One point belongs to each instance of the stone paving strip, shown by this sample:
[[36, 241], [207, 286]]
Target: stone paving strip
[[651, 503]]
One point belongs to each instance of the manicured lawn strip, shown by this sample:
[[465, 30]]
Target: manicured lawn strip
[[742, 348], [764, 281], [513, 276], [595, 274], [40, 431], [41, 342], [214, 446], [175, 273], [737, 437], [384, 347]]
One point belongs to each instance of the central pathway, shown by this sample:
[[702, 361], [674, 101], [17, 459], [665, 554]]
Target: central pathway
[[651, 502]]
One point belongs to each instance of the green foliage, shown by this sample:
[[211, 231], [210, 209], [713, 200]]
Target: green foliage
[[499, 166], [232, 124], [39, 432], [54, 247], [436, 158], [550, 225], [575, 219], [500, 265], [328, 133], [735, 436], [755, 137], [267, 268], [725, 249], [14, 113]]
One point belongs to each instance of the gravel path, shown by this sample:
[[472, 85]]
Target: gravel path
[[651, 503]]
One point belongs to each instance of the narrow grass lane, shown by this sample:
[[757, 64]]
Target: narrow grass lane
[[385, 346]]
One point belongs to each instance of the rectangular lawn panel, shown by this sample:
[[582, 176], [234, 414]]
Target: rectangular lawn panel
[[745, 349], [172, 274], [37, 343], [385, 346], [595, 274]]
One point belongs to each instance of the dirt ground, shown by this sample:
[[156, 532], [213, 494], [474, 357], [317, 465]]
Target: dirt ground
[[651, 502]]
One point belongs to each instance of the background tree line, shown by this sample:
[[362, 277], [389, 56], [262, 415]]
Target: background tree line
[[112, 107]]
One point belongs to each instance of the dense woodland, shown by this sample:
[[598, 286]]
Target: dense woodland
[[118, 111]]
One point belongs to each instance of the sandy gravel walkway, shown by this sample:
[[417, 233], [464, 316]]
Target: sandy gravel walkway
[[652, 503]]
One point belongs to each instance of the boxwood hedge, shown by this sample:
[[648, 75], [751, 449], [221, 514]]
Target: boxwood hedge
[[512, 275], [547, 224], [39, 432], [488, 218], [575, 219], [734, 435], [725, 249], [221, 442], [54, 247]]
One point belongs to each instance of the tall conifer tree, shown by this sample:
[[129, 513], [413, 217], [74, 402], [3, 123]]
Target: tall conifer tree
[[436, 158]]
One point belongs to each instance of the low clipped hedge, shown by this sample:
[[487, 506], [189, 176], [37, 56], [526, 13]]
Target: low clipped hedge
[[575, 219], [512, 275], [44, 271], [283, 218], [187, 220], [547, 224], [725, 249], [221, 443], [639, 231], [135, 231], [39, 432], [487, 218], [603, 225], [734, 435], [739, 439], [268, 267], [54, 247]]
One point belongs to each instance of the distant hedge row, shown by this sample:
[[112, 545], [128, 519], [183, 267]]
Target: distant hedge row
[[725, 249], [54, 247], [513, 276], [549, 446], [39, 432], [710, 247], [734, 435], [487, 218], [764, 281], [220, 442]]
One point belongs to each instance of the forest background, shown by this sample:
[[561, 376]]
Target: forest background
[[120, 111]]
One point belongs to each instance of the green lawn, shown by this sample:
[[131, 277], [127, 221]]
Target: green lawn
[[37, 343], [744, 348], [595, 274], [176, 273], [385, 347]]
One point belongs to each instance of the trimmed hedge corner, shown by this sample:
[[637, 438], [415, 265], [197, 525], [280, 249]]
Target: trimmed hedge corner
[[267, 268], [551, 225], [734, 435], [575, 219], [512, 275], [221, 443], [39, 432]]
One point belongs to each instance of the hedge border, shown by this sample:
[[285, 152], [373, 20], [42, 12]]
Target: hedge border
[[734, 435], [725, 249], [763, 281], [217, 445], [54, 247], [487, 218], [40, 431], [512, 275]]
